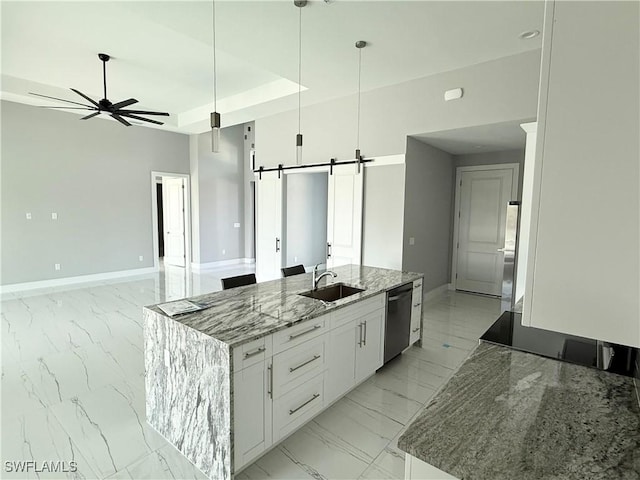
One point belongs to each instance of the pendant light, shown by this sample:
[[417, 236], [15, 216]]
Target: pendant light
[[300, 4], [360, 44], [215, 116]]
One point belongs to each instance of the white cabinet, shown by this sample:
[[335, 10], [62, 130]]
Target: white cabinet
[[356, 346], [416, 313], [584, 254], [297, 406], [252, 412]]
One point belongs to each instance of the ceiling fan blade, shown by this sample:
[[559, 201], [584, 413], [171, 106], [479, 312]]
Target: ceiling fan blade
[[128, 115], [120, 119], [90, 116], [68, 108], [59, 99], [124, 103], [85, 97], [144, 112]]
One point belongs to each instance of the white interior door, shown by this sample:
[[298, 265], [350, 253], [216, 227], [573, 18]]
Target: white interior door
[[173, 221], [344, 216], [269, 194], [483, 198]]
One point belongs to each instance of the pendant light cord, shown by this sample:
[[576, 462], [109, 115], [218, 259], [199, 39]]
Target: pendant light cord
[[359, 78], [299, 67], [213, 9]]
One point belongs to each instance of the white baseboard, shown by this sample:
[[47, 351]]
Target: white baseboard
[[59, 282], [451, 286], [431, 294], [221, 263]]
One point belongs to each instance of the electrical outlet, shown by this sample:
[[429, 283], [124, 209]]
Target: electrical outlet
[[54, 216], [57, 266], [28, 215], [224, 251], [295, 259], [412, 241], [141, 258]]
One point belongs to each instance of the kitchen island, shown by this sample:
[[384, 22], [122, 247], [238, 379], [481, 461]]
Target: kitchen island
[[508, 414], [228, 382]]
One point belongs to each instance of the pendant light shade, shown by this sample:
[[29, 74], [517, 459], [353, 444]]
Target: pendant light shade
[[215, 116]]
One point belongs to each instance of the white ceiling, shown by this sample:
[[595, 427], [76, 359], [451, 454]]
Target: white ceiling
[[478, 139], [162, 50]]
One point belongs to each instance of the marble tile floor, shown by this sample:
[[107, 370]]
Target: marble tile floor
[[72, 386]]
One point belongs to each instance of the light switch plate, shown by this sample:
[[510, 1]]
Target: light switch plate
[[28, 215], [54, 216], [57, 266], [412, 241], [236, 225]]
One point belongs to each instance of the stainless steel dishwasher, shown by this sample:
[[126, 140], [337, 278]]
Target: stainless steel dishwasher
[[398, 325]]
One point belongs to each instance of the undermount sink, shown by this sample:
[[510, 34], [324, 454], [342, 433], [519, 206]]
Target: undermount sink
[[332, 292]]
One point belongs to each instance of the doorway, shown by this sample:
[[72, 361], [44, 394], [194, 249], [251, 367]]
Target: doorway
[[481, 197], [171, 219]]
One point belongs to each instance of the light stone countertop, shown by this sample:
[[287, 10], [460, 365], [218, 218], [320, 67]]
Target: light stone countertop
[[240, 315], [513, 415]]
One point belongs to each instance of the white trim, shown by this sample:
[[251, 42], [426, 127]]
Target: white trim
[[58, 282], [515, 177], [531, 127], [451, 286], [187, 215], [435, 292], [222, 263]]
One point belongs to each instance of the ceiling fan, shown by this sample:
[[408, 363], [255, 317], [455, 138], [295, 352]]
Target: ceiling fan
[[115, 110]]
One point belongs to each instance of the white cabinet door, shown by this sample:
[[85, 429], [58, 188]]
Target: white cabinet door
[[269, 194], [252, 412], [173, 221], [344, 216], [341, 360], [484, 195], [370, 349], [582, 275]]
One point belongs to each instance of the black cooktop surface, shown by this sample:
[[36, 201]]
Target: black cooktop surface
[[508, 331]]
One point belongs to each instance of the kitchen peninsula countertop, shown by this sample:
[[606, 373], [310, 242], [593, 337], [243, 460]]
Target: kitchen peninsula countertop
[[240, 315], [507, 414]]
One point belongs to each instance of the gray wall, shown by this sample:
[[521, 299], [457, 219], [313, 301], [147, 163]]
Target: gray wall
[[249, 191], [95, 175], [306, 219], [220, 198], [427, 214], [497, 91], [491, 158], [383, 216]]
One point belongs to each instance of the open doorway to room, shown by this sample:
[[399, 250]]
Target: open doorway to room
[[171, 220]]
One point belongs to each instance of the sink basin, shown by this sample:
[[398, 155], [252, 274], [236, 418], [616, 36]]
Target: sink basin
[[332, 292]]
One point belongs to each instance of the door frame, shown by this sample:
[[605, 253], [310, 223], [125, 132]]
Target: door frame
[[515, 178], [187, 216]]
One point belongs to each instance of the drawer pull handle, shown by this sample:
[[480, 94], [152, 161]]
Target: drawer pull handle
[[364, 340], [296, 335], [315, 395], [293, 369], [270, 387], [254, 352], [417, 305], [416, 330], [417, 286]]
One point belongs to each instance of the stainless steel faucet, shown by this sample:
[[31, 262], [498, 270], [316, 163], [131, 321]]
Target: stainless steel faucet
[[315, 279]]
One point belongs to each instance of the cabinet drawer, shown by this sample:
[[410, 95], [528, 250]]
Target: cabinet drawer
[[297, 407], [251, 353], [295, 365], [299, 333], [357, 310]]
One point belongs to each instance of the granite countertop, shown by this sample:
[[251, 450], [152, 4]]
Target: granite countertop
[[240, 315], [508, 414]]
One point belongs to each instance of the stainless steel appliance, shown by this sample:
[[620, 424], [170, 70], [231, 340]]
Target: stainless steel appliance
[[398, 325], [510, 249]]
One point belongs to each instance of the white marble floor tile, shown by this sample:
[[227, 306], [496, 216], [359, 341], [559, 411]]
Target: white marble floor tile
[[109, 426], [402, 385], [166, 462], [374, 472], [39, 437], [18, 393], [391, 404], [277, 464], [365, 430], [317, 450]]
